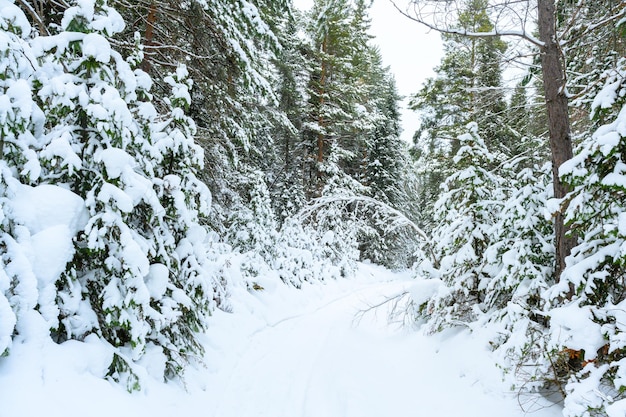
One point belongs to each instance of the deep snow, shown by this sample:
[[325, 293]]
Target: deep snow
[[283, 352]]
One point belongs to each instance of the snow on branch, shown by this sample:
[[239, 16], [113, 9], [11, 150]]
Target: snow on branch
[[584, 28]]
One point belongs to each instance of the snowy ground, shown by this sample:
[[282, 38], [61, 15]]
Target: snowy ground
[[283, 353]]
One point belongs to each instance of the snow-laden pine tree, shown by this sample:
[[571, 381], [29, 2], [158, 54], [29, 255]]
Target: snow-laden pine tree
[[386, 169], [467, 88], [136, 277], [186, 200], [520, 261], [32, 212], [21, 122], [588, 304], [228, 47], [337, 115], [469, 205], [292, 71], [520, 256]]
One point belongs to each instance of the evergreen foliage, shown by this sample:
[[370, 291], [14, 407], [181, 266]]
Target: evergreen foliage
[[21, 123], [138, 180], [553, 333], [133, 268], [465, 216], [593, 282], [467, 88]]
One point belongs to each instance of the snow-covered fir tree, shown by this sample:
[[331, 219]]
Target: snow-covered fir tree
[[466, 211], [134, 273], [590, 294], [21, 126]]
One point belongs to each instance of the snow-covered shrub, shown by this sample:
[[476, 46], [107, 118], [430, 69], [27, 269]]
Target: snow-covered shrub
[[252, 226], [465, 213], [300, 255], [287, 196], [588, 317], [21, 121], [336, 233], [135, 273]]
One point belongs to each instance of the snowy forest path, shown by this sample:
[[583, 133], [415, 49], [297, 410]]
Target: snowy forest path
[[282, 352], [319, 361]]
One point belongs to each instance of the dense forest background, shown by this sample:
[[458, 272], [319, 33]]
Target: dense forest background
[[194, 144]]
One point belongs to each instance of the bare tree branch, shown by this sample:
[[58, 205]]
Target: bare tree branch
[[420, 16], [34, 15]]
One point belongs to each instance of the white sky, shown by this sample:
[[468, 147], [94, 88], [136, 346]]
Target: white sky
[[407, 47]]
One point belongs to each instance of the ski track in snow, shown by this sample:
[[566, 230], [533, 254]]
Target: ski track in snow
[[320, 363], [285, 353]]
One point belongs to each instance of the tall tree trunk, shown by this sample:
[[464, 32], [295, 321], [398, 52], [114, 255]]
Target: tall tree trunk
[[149, 36], [320, 117], [558, 119]]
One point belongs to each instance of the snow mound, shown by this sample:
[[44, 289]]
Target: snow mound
[[39, 208]]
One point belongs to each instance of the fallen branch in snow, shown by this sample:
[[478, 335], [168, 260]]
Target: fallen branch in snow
[[398, 308]]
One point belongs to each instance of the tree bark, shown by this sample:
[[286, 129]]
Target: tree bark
[[321, 139], [149, 36], [558, 119]]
